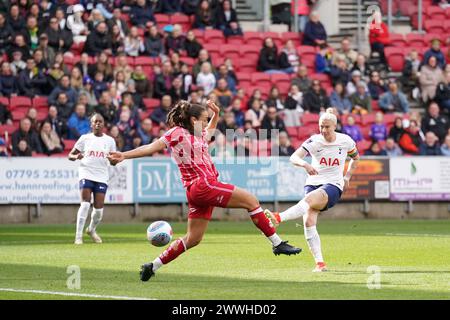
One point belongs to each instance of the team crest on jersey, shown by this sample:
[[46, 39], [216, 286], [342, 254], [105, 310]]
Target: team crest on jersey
[[340, 150], [329, 162]]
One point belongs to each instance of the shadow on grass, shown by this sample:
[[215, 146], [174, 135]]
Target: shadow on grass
[[167, 285]]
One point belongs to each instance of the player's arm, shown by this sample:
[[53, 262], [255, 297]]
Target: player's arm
[[353, 164], [212, 125], [144, 151], [297, 160], [75, 154]]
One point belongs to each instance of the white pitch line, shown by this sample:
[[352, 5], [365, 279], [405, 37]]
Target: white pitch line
[[418, 235], [72, 294]]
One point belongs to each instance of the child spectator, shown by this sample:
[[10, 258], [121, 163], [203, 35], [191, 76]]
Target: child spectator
[[378, 130]]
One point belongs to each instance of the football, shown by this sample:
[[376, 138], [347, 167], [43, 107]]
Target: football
[[159, 233]]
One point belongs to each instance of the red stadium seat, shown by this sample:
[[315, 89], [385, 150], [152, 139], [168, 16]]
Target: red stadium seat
[[40, 102], [442, 36], [182, 20], [355, 116], [213, 49], [395, 58], [151, 103], [18, 114], [42, 114], [276, 38], [253, 38], [282, 82], [261, 79], [435, 26], [77, 48], [246, 65], [250, 52], [397, 40], [308, 130], [188, 60], [365, 131], [236, 40], [4, 101], [245, 79], [436, 13], [389, 118], [368, 119], [9, 128], [294, 36], [415, 40], [231, 51], [162, 19], [20, 102], [310, 118], [214, 37], [144, 61], [292, 132], [363, 145], [144, 114]]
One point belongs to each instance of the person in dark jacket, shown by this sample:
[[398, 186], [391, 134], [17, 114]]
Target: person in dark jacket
[[8, 82], [191, 45], [204, 17], [58, 124], [5, 115], [316, 99], [225, 16], [106, 108], [98, 41], [19, 44], [431, 146], [171, 6], [58, 39], [6, 33], [31, 81], [159, 115], [434, 122], [268, 60], [141, 13], [271, 121], [315, 33], [153, 42], [376, 85], [443, 94], [189, 7], [15, 20], [26, 133]]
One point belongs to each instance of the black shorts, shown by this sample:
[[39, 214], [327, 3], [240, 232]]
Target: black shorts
[[96, 187]]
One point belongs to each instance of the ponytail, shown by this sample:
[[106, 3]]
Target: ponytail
[[180, 115]]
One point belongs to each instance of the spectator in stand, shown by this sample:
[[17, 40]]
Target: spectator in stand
[[378, 130], [144, 131], [5, 115], [31, 33], [6, 33], [238, 114], [269, 60], [133, 44], [189, 7], [159, 115], [127, 127], [171, 6], [288, 57], [78, 123], [362, 66], [339, 100], [122, 65], [19, 44], [59, 39], [352, 85], [176, 63], [143, 84], [76, 24], [64, 86], [76, 79], [375, 150], [303, 11], [31, 81], [51, 142], [445, 148], [434, 122], [275, 99], [57, 123], [315, 33], [88, 91], [203, 56], [206, 78], [443, 94], [175, 40], [99, 40], [430, 147], [345, 52], [227, 20], [229, 76], [191, 45], [177, 92], [411, 139], [32, 115], [282, 146], [106, 108], [255, 114], [118, 21], [228, 122], [339, 72], [316, 99], [41, 63], [28, 135], [223, 93], [392, 149], [378, 36], [293, 107], [376, 85], [22, 150], [118, 138], [3, 148], [102, 65], [361, 100], [301, 79], [17, 64], [271, 121], [141, 13], [8, 82], [15, 19], [256, 95], [118, 83], [411, 71], [393, 100], [435, 51], [397, 129], [323, 59], [430, 76], [352, 129], [163, 80], [204, 17], [153, 41]]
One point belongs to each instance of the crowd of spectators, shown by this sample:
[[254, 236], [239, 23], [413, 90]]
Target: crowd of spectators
[[37, 37]]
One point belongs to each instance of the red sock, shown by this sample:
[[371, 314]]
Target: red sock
[[171, 253], [261, 221]]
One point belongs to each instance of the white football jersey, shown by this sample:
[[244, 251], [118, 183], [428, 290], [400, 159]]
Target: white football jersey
[[94, 165], [329, 158]]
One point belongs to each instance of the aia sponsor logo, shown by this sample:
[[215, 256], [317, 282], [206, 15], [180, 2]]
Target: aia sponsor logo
[[96, 154], [330, 162]]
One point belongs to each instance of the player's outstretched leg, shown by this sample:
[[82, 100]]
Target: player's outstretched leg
[[96, 217], [194, 235], [294, 212], [243, 199]]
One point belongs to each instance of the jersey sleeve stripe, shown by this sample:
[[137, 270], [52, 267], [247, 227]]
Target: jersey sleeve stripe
[[306, 149], [166, 142]]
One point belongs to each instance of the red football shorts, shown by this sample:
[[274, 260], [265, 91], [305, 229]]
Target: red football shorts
[[204, 195]]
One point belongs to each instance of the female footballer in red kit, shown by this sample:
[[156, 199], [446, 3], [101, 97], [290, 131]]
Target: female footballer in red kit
[[188, 139]]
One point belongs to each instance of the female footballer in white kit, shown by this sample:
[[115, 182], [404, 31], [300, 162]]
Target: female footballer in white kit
[[326, 180], [92, 149]]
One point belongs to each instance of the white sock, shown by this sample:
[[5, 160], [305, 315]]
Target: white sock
[[313, 239], [295, 211], [275, 239], [81, 218], [96, 217], [157, 263]]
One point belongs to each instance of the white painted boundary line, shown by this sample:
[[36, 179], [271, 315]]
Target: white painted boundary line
[[72, 294], [418, 235]]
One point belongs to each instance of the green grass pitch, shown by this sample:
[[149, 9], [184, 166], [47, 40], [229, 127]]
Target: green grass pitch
[[234, 261]]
